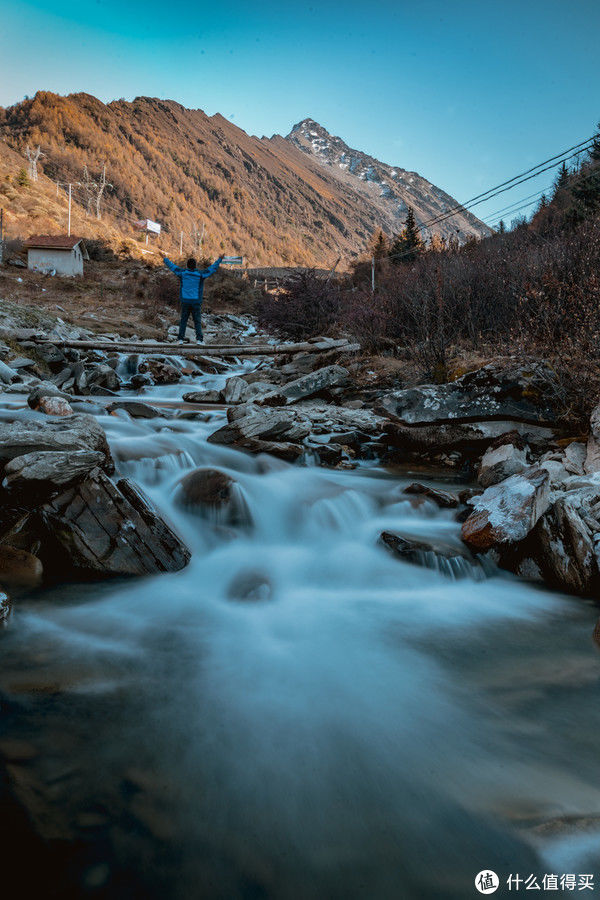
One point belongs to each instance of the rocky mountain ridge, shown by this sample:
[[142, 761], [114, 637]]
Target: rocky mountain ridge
[[391, 189]]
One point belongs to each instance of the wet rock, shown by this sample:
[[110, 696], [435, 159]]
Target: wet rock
[[506, 512], [236, 390], [471, 437], [161, 371], [306, 386], [503, 460], [250, 587], [436, 555], [517, 393], [99, 529], [80, 377], [18, 568], [45, 389], [140, 381], [55, 406], [560, 551], [565, 550], [444, 499], [77, 432], [104, 376], [42, 472], [5, 611], [8, 375], [135, 408], [258, 424], [214, 495], [62, 377], [209, 396]]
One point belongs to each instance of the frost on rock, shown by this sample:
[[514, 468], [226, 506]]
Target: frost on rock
[[506, 512]]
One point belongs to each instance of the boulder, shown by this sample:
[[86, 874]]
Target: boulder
[[257, 424], [98, 529], [18, 568], [235, 390], [45, 389], [161, 371], [574, 458], [135, 409], [506, 512], [592, 457], [104, 376], [306, 386], [140, 381], [52, 355], [561, 550], [214, 495], [515, 393], [565, 550], [44, 472], [444, 499], [7, 374], [473, 437], [209, 396], [503, 460], [77, 432], [55, 406], [435, 555]]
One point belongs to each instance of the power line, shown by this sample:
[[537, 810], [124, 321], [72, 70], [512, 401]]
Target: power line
[[501, 188], [469, 204], [484, 196]]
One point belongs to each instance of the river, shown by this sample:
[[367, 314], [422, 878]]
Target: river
[[297, 714]]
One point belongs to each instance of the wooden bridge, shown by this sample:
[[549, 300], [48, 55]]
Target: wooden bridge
[[195, 350]]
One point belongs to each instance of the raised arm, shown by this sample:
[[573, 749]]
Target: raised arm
[[171, 265], [212, 269]]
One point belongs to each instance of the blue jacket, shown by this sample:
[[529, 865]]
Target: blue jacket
[[192, 280]]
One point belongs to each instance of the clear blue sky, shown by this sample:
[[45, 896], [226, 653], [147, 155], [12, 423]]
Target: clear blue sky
[[466, 93]]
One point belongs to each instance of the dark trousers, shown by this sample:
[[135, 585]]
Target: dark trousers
[[196, 310]]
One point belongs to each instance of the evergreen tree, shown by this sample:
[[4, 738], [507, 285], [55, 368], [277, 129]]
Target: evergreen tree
[[408, 244], [23, 178], [586, 187], [562, 179], [501, 227], [379, 245]]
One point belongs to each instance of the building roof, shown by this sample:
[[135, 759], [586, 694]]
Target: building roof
[[52, 242]]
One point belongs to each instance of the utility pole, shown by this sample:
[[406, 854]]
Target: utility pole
[[70, 186], [1, 235], [372, 274], [181, 243], [33, 161]]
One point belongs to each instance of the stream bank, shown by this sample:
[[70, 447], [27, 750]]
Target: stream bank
[[298, 711]]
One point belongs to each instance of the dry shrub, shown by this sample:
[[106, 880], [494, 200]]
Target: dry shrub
[[308, 305]]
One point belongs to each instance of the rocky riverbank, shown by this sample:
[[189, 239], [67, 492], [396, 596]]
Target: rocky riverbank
[[535, 509]]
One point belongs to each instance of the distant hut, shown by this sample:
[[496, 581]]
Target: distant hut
[[56, 252]]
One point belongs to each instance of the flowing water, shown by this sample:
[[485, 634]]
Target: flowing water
[[298, 714]]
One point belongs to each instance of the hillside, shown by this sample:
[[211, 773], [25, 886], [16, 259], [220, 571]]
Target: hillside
[[266, 199]]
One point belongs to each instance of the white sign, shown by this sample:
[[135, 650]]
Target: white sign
[[154, 227], [233, 260]]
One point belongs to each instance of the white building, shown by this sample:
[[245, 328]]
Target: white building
[[56, 252]]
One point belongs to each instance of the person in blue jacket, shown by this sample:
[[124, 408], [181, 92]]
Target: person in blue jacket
[[191, 289]]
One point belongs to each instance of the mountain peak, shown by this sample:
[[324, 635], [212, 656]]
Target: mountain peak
[[391, 189]]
